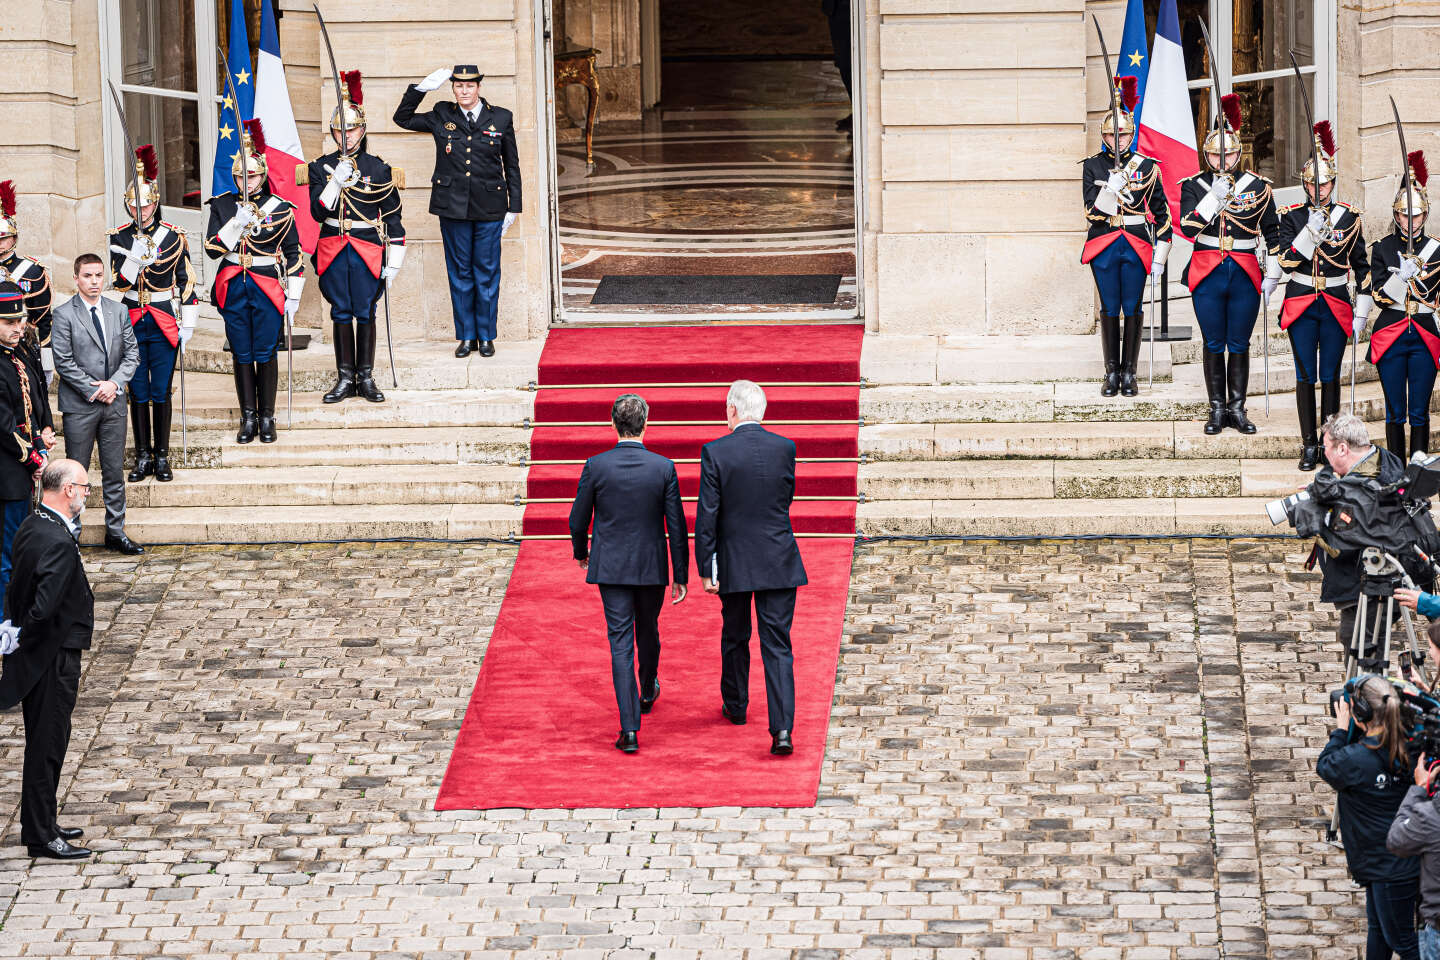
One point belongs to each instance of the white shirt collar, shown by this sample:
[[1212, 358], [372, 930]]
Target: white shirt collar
[[70, 525], [744, 422], [638, 443]]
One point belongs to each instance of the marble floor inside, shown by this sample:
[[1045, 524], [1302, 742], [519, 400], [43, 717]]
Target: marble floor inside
[[739, 171]]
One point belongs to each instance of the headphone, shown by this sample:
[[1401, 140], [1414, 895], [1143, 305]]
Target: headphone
[[1360, 708]]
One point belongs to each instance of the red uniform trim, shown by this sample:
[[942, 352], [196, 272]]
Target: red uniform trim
[[270, 286], [1340, 309], [1381, 340], [329, 248], [1202, 262], [1093, 247], [168, 325]]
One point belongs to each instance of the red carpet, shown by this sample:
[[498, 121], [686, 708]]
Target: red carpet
[[542, 718]]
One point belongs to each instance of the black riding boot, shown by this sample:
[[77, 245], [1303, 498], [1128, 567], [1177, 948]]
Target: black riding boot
[[365, 363], [1110, 350], [144, 452], [1305, 407], [245, 390], [1420, 439], [1130, 356], [1395, 438], [344, 363], [1214, 367], [1237, 379], [161, 413], [267, 377]]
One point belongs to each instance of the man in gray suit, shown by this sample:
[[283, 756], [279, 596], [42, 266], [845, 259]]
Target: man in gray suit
[[95, 357]]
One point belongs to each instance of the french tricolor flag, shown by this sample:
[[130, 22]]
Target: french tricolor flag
[[283, 152], [1167, 127]]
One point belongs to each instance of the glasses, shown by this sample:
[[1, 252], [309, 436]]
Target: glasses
[[74, 484]]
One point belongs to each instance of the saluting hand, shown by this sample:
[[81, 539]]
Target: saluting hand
[[433, 80]]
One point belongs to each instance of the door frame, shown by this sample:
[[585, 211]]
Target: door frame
[[545, 109]]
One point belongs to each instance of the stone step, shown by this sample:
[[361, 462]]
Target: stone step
[[239, 524], [988, 359], [1161, 516], [249, 486], [352, 447], [1138, 479]]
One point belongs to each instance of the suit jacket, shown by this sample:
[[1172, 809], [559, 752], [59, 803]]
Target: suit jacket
[[80, 357], [477, 166], [634, 497], [49, 600], [747, 480]]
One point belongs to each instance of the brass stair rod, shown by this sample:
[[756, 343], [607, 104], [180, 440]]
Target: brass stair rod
[[533, 387]]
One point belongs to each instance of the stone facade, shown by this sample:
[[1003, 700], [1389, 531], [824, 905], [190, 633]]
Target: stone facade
[[974, 112]]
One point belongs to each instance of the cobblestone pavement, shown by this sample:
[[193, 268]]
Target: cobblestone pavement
[[1094, 750]]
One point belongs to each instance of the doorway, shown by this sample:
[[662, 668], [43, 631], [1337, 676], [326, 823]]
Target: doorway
[[722, 183]]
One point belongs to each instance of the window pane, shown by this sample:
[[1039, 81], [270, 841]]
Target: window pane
[[157, 43], [1265, 31], [1275, 137], [172, 126]]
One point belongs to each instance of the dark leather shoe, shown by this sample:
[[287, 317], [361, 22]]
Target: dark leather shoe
[[780, 744], [646, 702], [122, 544], [163, 473], [267, 430], [58, 849], [465, 347], [628, 742], [736, 718], [70, 833], [249, 426], [487, 348]]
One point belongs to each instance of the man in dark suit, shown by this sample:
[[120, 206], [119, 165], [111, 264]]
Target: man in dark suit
[[51, 604], [746, 552], [475, 191], [634, 497]]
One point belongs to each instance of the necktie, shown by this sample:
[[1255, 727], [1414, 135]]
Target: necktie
[[100, 332]]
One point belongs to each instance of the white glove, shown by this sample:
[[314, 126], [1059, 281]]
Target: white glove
[[292, 304], [433, 80], [1221, 188], [330, 195], [1157, 260], [1267, 287], [9, 638], [1364, 304], [510, 219], [1318, 224], [294, 287], [240, 224], [394, 258], [1106, 201], [345, 173], [1358, 324], [1117, 182], [1409, 268], [185, 334]]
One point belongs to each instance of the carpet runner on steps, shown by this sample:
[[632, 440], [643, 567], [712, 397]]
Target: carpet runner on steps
[[542, 717]]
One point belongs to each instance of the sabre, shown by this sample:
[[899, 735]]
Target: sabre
[[390, 343], [1265, 346], [289, 372], [335, 75], [244, 161], [1405, 176], [1219, 116], [130, 168], [1310, 121], [1154, 280], [184, 437], [1114, 109]]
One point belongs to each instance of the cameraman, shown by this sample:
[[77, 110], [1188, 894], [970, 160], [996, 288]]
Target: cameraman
[[1353, 461], [1370, 775], [1416, 833]]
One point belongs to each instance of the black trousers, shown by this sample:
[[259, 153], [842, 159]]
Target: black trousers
[[840, 42], [632, 619], [47, 708], [775, 610]]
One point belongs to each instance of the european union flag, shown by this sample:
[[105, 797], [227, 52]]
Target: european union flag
[[232, 113], [1134, 57]]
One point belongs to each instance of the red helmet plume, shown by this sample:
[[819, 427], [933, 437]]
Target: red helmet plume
[[1230, 106], [146, 154], [1129, 92], [257, 134], [1326, 136], [7, 198], [1417, 166], [352, 86]]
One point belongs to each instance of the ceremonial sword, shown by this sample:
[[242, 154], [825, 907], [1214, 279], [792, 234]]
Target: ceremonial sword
[[345, 152]]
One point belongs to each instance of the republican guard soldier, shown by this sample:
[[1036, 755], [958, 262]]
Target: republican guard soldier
[[1321, 245], [1129, 236], [475, 191], [1405, 344], [150, 267], [26, 429], [1229, 214], [259, 282], [356, 201], [32, 279]]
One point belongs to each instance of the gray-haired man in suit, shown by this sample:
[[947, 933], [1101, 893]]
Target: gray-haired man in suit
[[95, 357]]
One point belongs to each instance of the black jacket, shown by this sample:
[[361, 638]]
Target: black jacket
[[49, 600], [477, 168], [1341, 576], [1341, 254], [1394, 298], [747, 480], [1147, 197], [1415, 832], [634, 497], [19, 430], [369, 205], [34, 281], [1371, 791], [278, 238]]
